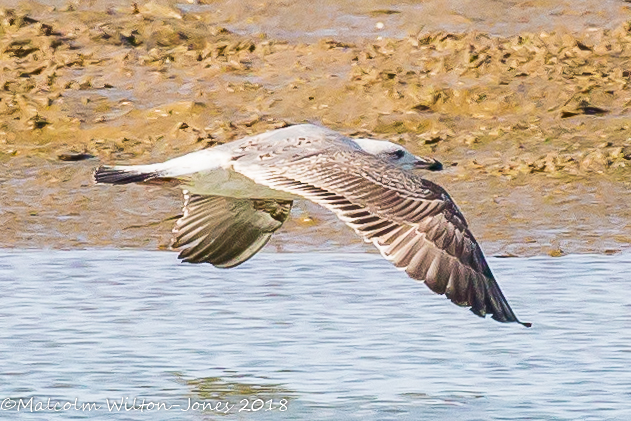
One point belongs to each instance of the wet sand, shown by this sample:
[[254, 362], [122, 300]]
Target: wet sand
[[533, 126]]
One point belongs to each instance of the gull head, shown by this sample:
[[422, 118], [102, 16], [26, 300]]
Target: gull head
[[397, 155]]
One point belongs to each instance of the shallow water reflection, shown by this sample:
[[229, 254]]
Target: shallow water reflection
[[337, 336]]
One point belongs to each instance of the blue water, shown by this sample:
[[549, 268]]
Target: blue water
[[331, 336]]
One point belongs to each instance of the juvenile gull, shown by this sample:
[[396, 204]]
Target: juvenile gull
[[238, 194]]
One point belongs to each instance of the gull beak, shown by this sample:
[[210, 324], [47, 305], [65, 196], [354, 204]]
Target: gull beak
[[430, 164]]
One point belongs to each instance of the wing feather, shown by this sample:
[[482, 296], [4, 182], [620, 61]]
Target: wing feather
[[226, 231], [412, 221]]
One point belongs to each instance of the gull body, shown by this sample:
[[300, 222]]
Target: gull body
[[238, 194], [210, 171]]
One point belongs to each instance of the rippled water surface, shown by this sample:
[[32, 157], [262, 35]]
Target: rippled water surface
[[327, 336]]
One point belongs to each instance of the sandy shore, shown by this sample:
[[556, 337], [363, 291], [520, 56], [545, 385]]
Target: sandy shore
[[534, 129]]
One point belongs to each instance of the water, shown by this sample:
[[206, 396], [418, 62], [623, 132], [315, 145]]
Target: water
[[337, 336]]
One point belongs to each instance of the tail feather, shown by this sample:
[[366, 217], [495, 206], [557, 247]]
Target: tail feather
[[122, 175]]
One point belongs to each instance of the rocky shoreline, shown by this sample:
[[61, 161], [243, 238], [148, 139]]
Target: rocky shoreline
[[534, 129]]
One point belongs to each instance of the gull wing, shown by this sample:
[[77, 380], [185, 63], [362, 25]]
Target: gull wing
[[412, 221], [226, 231]]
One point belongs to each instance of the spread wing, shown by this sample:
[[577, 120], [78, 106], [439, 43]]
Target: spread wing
[[413, 222], [226, 231]]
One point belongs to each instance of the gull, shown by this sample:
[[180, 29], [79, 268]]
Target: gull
[[236, 195]]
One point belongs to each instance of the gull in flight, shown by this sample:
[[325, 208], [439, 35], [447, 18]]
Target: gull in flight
[[236, 195]]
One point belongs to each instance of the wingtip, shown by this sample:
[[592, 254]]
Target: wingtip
[[511, 320]]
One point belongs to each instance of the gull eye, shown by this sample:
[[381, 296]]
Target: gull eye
[[398, 154]]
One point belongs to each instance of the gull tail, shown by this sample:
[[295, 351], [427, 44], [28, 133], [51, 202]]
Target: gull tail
[[204, 160], [125, 174]]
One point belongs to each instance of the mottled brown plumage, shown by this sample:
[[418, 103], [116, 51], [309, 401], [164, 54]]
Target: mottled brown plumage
[[226, 231], [413, 222], [239, 193]]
